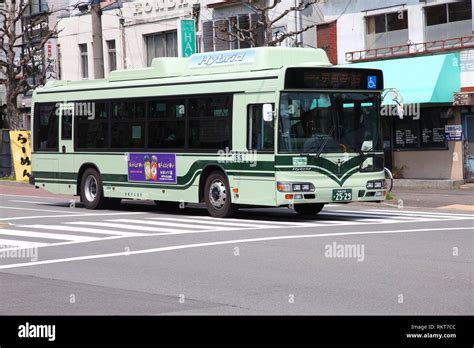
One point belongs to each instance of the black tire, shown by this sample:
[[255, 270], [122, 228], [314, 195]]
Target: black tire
[[217, 196], [92, 191], [308, 209], [167, 206]]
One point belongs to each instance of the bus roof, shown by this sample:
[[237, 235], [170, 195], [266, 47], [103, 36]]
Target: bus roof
[[223, 62]]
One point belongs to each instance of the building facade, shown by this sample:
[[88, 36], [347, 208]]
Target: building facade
[[426, 49], [136, 32]]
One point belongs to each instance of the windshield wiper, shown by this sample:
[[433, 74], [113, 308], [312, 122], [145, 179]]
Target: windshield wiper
[[323, 145]]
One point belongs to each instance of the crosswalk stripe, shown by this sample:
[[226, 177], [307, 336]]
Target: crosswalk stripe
[[416, 213], [208, 222], [85, 230], [142, 229], [270, 223], [20, 243], [170, 224], [58, 236], [350, 213]]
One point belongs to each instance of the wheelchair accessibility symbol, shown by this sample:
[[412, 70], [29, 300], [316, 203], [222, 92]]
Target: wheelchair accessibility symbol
[[371, 82]]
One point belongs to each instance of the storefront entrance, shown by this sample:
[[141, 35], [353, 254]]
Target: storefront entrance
[[469, 137]]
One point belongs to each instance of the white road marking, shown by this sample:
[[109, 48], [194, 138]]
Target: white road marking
[[420, 213], [43, 203], [362, 214], [47, 210], [234, 241], [170, 224], [21, 244], [58, 236], [218, 222], [83, 230], [269, 222], [28, 196], [124, 226], [63, 215]]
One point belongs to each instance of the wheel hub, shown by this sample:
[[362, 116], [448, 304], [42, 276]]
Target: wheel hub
[[217, 194], [90, 188]]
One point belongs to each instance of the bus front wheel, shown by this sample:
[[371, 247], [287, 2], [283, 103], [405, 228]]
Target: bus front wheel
[[92, 192], [308, 209], [217, 196]]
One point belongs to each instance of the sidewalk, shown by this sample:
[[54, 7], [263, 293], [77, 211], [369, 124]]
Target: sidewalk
[[453, 200]]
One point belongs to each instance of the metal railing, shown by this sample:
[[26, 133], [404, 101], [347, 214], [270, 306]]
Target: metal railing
[[411, 49]]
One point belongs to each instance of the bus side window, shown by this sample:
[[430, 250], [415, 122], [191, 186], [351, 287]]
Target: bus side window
[[66, 124], [260, 133], [46, 127]]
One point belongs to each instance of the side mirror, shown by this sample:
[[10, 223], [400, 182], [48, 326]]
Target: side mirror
[[267, 111], [397, 98]]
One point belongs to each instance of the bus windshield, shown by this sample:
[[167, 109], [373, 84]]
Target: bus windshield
[[313, 122]]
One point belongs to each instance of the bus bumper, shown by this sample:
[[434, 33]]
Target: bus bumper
[[326, 195]]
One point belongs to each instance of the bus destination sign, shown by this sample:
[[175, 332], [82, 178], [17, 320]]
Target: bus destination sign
[[331, 78]]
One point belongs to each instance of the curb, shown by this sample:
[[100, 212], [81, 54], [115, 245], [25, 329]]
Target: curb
[[420, 183]]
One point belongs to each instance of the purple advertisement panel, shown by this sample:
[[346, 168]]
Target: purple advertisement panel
[[149, 167]]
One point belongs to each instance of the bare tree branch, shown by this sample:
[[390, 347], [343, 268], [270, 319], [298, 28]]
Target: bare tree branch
[[264, 10], [302, 5], [284, 36]]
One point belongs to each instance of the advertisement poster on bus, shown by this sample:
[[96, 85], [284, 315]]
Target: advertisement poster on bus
[[153, 168]]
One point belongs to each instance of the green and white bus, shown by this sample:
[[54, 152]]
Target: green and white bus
[[260, 127]]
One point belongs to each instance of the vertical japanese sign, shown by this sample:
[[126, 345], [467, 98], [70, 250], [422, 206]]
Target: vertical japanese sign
[[186, 37], [21, 153], [51, 53]]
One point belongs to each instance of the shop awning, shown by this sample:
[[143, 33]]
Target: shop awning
[[426, 79]]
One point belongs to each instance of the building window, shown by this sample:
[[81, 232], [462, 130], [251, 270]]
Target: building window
[[387, 30], [163, 44], [216, 35], [112, 52], [448, 13], [425, 133], [84, 61], [448, 21]]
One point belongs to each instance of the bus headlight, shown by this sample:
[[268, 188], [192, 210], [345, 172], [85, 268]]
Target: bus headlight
[[295, 187], [375, 184]]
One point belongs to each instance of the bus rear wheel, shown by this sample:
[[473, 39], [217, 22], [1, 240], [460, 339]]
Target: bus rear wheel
[[92, 192], [218, 197], [308, 209]]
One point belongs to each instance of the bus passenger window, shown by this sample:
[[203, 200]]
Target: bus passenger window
[[66, 125], [166, 124], [260, 133], [46, 127]]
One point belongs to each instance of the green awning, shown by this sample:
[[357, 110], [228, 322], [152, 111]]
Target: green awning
[[425, 79]]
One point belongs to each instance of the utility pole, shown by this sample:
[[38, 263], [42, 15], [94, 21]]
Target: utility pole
[[97, 45], [124, 42]]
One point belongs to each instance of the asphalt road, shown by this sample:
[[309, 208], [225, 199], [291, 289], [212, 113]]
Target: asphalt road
[[350, 259]]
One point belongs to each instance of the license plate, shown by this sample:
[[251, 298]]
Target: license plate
[[342, 195]]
